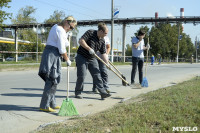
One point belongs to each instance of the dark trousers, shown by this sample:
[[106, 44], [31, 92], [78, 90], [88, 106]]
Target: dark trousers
[[48, 97], [104, 75], [92, 65], [137, 62]]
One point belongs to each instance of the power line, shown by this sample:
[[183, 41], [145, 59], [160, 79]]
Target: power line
[[85, 7], [63, 8]]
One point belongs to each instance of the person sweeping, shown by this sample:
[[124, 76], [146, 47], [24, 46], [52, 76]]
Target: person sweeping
[[138, 47], [50, 66]]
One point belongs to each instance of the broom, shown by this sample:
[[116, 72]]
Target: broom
[[144, 80], [68, 108]]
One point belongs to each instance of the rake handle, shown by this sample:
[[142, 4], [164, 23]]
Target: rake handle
[[110, 68], [114, 67]]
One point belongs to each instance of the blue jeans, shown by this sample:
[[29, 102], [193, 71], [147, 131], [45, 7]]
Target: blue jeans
[[92, 65], [137, 62]]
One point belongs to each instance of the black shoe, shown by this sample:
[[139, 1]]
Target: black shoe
[[108, 91], [78, 96], [104, 95]]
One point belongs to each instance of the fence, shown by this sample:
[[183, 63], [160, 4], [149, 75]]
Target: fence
[[116, 58]]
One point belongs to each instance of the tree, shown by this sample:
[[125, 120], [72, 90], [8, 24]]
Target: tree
[[56, 17], [3, 14], [24, 16], [128, 50], [164, 40]]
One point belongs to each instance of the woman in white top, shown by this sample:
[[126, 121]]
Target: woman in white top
[[50, 66]]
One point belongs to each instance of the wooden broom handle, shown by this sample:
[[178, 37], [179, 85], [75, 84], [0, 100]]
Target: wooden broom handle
[[68, 69], [146, 59]]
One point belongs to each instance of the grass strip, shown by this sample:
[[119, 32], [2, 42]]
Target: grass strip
[[156, 111], [30, 65]]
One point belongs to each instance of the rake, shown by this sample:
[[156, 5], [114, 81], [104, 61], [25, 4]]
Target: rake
[[125, 82], [122, 76]]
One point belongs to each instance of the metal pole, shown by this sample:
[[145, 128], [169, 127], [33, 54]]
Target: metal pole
[[178, 42], [196, 50], [16, 46], [37, 44], [112, 28], [124, 42]]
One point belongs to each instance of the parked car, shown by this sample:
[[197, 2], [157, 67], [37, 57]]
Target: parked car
[[10, 59], [20, 58]]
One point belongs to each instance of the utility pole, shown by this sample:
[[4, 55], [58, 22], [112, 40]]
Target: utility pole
[[37, 44], [112, 29], [196, 50], [16, 46], [178, 42]]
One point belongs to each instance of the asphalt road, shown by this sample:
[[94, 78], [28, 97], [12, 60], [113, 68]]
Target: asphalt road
[[20, 94]]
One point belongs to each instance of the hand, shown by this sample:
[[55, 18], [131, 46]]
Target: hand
[[148, 46], [68, 62], [91, 51], [69, 34]]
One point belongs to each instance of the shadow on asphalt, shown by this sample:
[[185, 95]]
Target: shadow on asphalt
[[36, 89], [92, 83], [91, 92], [29, 95], [18, 108]]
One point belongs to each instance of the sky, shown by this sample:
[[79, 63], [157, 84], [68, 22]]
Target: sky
[[101, 9]]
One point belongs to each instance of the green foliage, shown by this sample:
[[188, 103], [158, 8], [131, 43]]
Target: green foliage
[[128, 50], [164, 40], [3, 14], [24, 16], [57, 17], [7, 47]]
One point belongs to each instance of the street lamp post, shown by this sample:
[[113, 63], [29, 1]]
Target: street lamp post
[[37, 44], [112, 28], [196, 47], [42, 30], [178, 43], [196, 50]]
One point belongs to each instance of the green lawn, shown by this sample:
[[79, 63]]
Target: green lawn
[[155, 112]]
